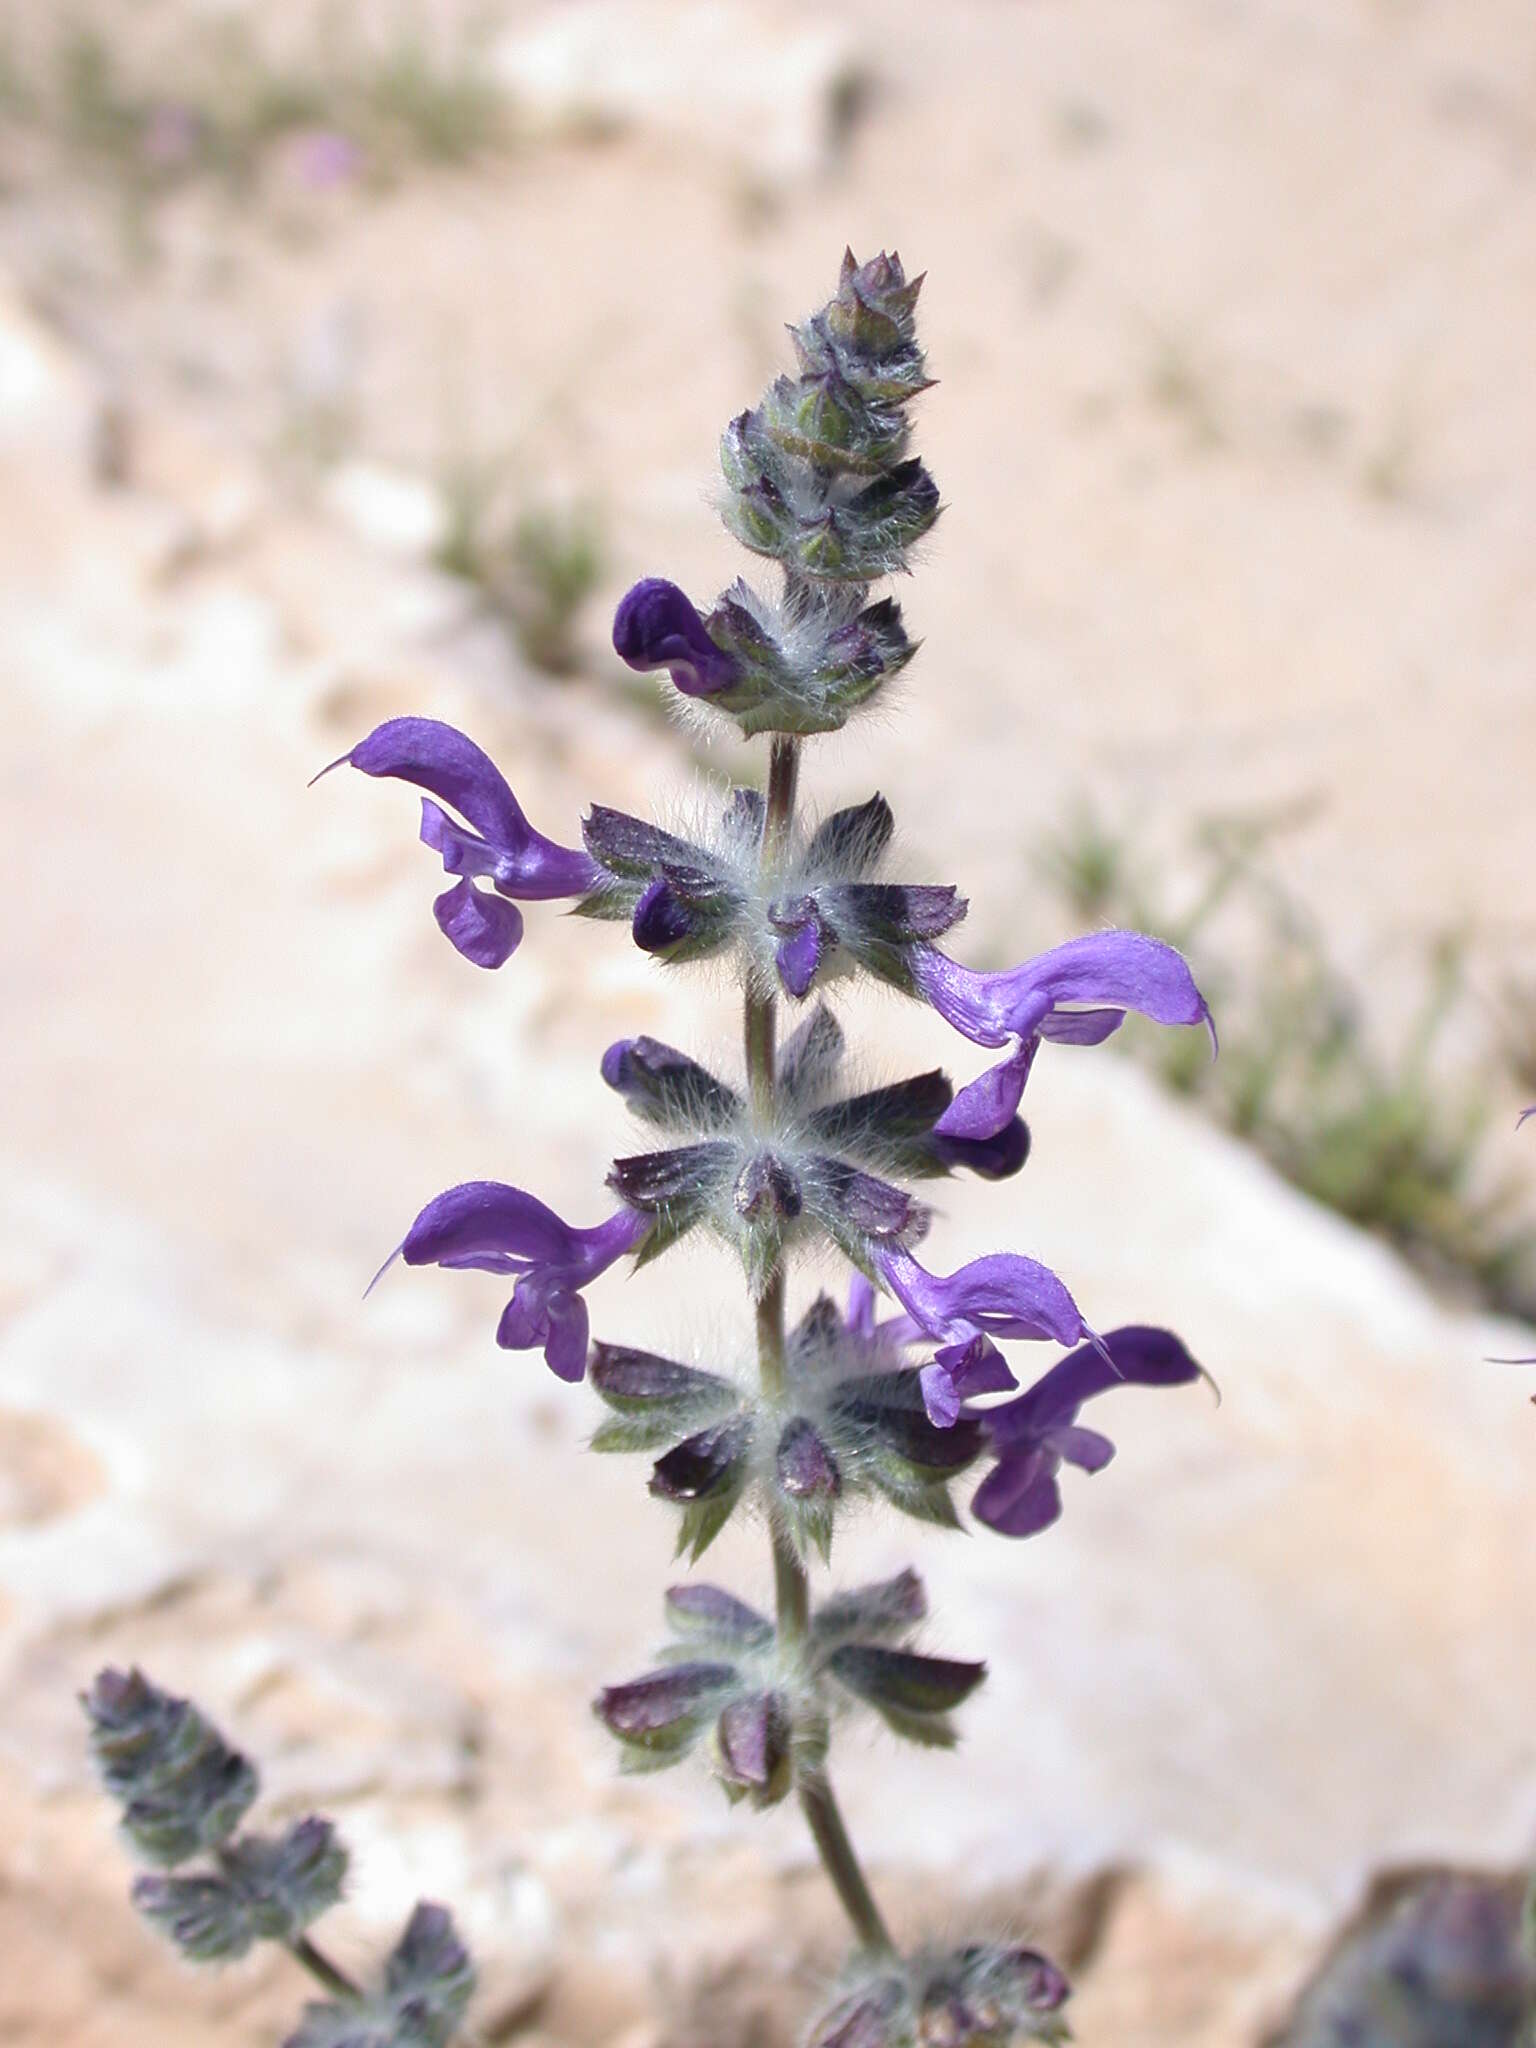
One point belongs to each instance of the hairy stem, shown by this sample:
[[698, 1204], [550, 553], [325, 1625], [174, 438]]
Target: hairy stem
[[841, 1864], [322, 1969], [792, 1592]]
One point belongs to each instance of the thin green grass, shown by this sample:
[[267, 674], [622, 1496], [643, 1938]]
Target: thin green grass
[[1394, 1138]]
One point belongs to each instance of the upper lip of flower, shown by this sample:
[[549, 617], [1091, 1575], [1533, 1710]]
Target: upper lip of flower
[[494, 1228], [1107, 972], [497, 845]]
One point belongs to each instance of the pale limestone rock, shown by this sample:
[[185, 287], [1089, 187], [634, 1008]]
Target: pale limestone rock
[[394, 512], [755, 86]]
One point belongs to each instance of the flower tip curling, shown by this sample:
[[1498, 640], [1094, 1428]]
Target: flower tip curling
[[657, 626]]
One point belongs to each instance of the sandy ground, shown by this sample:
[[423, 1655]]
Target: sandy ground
[[1231, 307]]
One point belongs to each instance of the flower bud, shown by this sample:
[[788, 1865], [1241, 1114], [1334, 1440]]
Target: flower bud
[[182, 1787], [205, 1917], [752, 1749], [808, 1482], [705, 1475]]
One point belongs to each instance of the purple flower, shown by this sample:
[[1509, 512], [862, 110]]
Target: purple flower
[[1038, 1433], [498, 1229], [325, 158], [1111, 971], [1001, 1295], [502, 847], [656, 626]]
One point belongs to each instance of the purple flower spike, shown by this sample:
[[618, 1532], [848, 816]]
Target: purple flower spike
[[499, 1229], [1038, 1433], [1001, 1295], [502, 847], [655, 626], [1111, 971]]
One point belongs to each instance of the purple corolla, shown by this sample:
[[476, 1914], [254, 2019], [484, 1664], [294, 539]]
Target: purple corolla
[[657, 626], [1110, 972], [494, 1228], [1001, 1295], [1038, 1433], [498, 844]]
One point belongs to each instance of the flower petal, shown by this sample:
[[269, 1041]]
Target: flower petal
[[985, 1108], [1019, 1497], [960, 1371], [483, 928], [1136, 1355], [798, 957], [994, 1157], [441, 760], [1084, 1448], [1004, 1294], [565, 1345], [486, 1218], [656, 626]]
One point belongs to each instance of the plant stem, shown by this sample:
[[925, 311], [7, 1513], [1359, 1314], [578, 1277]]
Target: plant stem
[[791, 1589], [322, 1969], [825, 1821]]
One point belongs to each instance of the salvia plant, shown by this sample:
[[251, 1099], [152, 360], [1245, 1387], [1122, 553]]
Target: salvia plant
[[832, 1404], [216, 1891]]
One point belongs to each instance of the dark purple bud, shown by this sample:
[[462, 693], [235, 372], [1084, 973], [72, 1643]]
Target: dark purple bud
[[655, 1402], [892, 913], [655, 626], [753, 1748], [663, 923], [803, 1466], [716, 1616], [903, 1110], [705, 1466], [765, 1188]]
